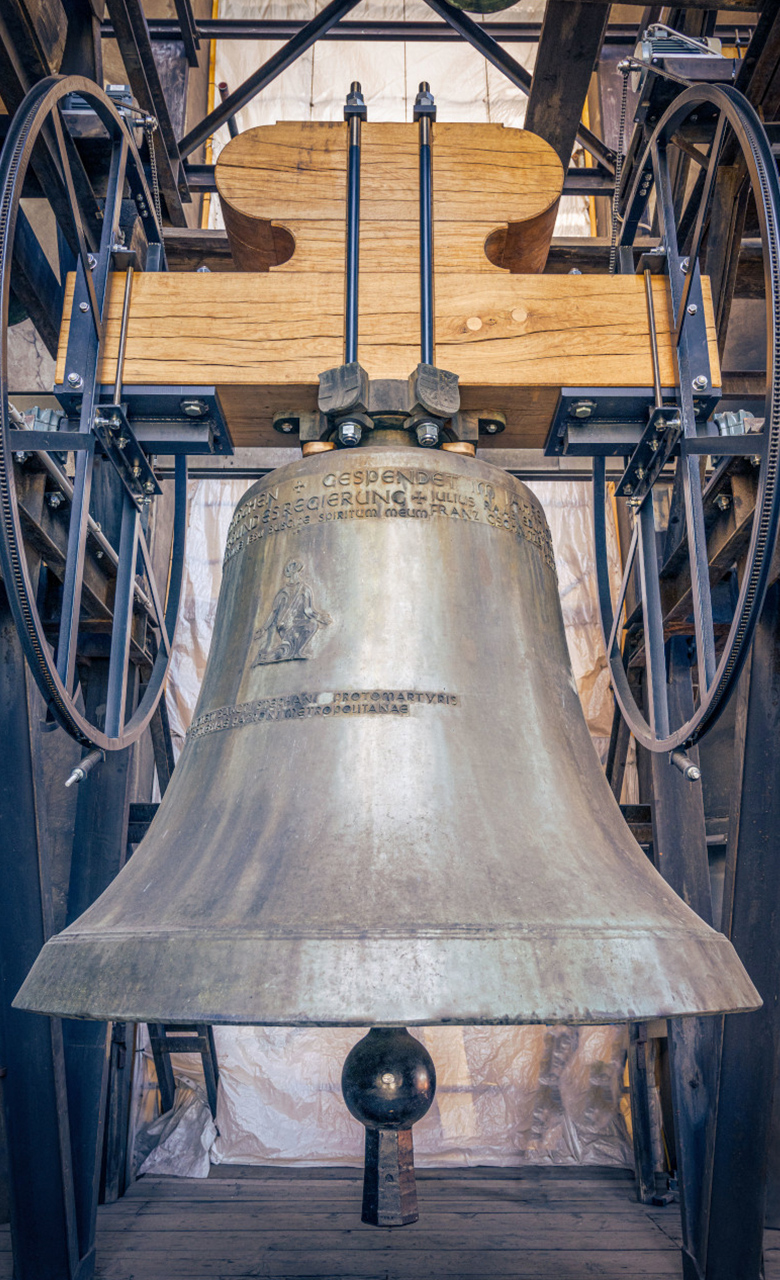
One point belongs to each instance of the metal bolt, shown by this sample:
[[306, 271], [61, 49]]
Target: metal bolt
[[202, 269], [755, 460], [92, 260], [84, 306], [286, 427], [122, 442], [583, 409], [628, 489], [55, 500], [149, 486], [75, 380], [21, 457], [635, 502], [655, 445], [493, 428], [684, 264], [194, 408], [640, 473], [692, 309], [350, 433], [722, 501], [700, 383], [136, 470], [427, 434]]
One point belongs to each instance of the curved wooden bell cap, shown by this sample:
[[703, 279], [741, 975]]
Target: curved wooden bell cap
[[283, 193]]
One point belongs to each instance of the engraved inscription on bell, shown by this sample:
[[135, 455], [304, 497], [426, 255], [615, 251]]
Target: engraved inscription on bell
[[288, 631]]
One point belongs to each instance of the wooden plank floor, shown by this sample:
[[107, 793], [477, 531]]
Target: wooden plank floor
[[535, 1224]]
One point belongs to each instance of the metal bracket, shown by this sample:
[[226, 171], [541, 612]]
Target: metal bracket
[[119, 443], [653, 451]]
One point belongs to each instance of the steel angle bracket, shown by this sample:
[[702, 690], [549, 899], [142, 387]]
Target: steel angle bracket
[[658, 441], [174, 419], [599, 421], [118, 442]]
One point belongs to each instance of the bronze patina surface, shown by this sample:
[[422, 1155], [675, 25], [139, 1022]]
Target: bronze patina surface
[[388, 809]]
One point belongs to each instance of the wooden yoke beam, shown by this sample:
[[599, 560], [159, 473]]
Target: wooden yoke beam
[[263, 338]]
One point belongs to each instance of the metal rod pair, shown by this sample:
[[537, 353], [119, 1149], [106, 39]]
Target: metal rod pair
[[355, 112]]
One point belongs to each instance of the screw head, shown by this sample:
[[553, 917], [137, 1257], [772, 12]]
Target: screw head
[[286, 427], [427, 434], [583, 409], [149, 486], [54, 500], [350, 433], [722, 501], [84, 306], [692, 309], [700, 383], [194, 408], [75, 380], [21, 457]]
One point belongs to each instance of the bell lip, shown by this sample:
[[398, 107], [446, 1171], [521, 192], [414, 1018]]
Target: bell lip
[[448, 982]]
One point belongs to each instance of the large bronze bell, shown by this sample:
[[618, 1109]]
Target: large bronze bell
[[388, 810]]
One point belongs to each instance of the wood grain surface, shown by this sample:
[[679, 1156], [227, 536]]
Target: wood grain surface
[[292, 177], [263, 339]]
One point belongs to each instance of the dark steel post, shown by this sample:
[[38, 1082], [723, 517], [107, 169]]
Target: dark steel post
[[751, 908], [680, 846], [424, 113], [354, 113]]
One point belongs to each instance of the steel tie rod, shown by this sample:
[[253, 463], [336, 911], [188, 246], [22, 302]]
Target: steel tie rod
[[424, 113], [354, 113]]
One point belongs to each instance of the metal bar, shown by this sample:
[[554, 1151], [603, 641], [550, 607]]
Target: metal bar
[[188, 30], [265, 74], [657, 391], [612, 644], [680, 848], [132, 34], [426, 224], [480, 38], [353, 227], [694, 513], [641, 1121], [210, 1067], [116, 690], [162, 1062], [74, 568], [44, 1236], [75, 213], [120, 359], [701, 215], [653, 620], [232, 125], [751, 905], [159, 610], [167, 29]]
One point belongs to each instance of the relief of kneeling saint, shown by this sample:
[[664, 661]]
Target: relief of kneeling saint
[[293, 622]]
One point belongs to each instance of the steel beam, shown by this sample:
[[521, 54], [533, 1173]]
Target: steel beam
[[265, 74], [680, 846], [751, 908]]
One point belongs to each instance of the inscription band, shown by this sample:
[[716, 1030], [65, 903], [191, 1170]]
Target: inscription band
[[329, 705]]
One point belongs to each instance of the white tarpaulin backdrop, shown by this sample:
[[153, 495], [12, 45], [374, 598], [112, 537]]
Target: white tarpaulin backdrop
[[505, 1095]]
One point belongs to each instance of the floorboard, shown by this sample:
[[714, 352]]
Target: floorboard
[[475, 1224]]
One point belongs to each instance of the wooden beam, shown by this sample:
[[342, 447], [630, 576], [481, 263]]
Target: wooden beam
[[263, 338], [572, 35]]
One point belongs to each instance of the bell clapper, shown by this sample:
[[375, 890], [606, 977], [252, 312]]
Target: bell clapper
[[388, 1084]]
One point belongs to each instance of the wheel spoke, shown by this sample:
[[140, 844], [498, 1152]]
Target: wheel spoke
[[701, 219], [700, 571], [159, 610], [613, 645], [74, 570], [655, 656], [121, 630], [78, 225]]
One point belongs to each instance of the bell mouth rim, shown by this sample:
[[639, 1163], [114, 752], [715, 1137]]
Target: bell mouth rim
[[425, 982]]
